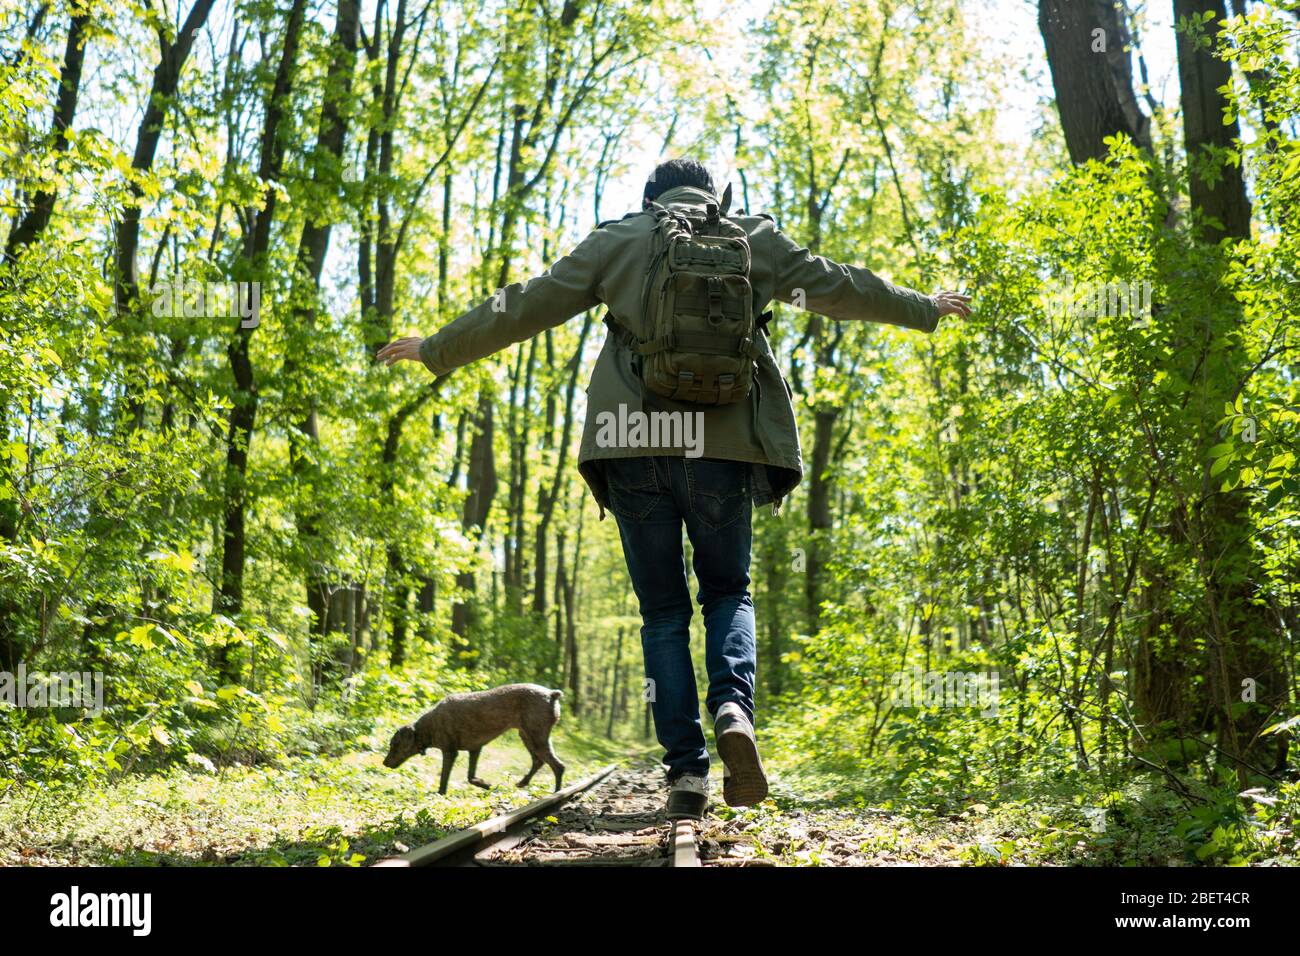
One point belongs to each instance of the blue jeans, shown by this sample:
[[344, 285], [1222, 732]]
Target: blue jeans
[[651, 498]]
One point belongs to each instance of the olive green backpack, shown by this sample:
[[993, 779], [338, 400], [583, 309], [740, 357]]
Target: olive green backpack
[[699, 309]]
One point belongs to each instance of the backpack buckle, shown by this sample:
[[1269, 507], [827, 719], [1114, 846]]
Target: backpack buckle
[[715, 300], [686, 384]]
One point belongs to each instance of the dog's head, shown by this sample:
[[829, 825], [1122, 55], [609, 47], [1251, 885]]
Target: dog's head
[[402, 747]]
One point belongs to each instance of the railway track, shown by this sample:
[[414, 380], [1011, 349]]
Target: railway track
[[612, 818]]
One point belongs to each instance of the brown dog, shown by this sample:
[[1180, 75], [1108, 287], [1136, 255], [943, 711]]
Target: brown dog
[[468, 721]]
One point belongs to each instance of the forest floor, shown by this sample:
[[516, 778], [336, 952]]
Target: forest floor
[[819, 817], [804, 828], [347, 809]]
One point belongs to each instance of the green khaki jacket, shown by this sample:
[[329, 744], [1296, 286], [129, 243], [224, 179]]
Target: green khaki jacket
[[609, 267]]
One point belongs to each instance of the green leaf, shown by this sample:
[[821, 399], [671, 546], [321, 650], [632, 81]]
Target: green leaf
[[1220, 465]]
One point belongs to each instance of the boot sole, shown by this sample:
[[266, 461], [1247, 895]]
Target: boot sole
[[744, 784]]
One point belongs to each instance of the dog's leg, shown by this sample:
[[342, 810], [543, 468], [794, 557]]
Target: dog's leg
[[472, 776], [548, 754], [448, 761], [537, 760]]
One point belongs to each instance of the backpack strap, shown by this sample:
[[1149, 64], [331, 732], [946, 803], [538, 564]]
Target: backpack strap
[[658, 210], [622, 334], [610, 222]]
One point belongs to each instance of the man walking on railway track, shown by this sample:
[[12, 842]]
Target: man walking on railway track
[[689, 421]]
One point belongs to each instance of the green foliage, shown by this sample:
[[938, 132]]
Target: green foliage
[[1039, 480], [1088, 492]]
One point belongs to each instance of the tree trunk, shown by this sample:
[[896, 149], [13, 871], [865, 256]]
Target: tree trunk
[[229, 598], [825, 417], [481, 480], [166, 77], [313, 244], [613, 690], [547, 497], [65, 108], [1086, 44], [1201, 74], [1244, 644]]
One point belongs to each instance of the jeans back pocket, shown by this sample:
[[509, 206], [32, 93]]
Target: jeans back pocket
[[633, 487], [719, 490]]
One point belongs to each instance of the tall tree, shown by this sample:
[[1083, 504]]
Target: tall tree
[[313, 244], [1087, 45], [228, 597], [1210, 127], [383, 240], [1244, 645], [173, 52], [25, 231], [30, 226]]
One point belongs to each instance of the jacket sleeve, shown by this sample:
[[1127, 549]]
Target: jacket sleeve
[[845, 292], [519, 311]]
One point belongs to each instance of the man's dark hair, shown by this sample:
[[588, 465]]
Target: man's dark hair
[[678, 172]]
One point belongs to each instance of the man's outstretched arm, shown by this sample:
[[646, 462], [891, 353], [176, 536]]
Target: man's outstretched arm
[[513, 314], [852, 292]]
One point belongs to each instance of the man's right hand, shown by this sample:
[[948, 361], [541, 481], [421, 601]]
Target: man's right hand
[[952, 303], [403, 349]]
